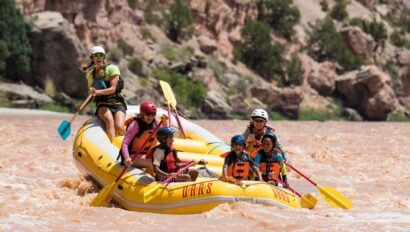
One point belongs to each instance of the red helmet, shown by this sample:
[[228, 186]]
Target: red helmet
[[148, 107]]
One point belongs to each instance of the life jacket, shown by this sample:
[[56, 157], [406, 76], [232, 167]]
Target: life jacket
[[240, 170], [269, 165], [170, 162], [256, 145], [100, 83], [143, 133]]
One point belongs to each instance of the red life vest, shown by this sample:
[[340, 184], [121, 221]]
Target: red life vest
[[170, 162]]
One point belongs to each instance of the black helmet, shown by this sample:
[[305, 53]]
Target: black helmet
[[238, 139], [164, 132], [272, 137]]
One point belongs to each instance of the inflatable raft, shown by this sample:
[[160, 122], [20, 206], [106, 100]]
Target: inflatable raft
[[137, 190]]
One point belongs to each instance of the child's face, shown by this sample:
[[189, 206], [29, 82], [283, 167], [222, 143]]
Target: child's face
[[267, 144], [169, 140], [237, 148], [258, 123], [149, 118]]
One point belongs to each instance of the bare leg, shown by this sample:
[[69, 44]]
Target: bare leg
[[183, 178], [105, 114], [193, 173], [119, 119], [144, 163]]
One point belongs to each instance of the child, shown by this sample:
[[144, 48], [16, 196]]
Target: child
[[256, 129], [165, 159], [237, 163], [270, 161]]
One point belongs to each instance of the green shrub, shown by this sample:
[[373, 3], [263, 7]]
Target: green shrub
[[219, 69], [187, 93], [173, 53], [55, 108], [338, 11], [146, 34], [125, 47], [325, 43], [4, 53], [153, 13], [277, 116], [294, 72], [257, 51], [115, 55], [375, 29], [334, 111], [136, 66], [179, 22], [281, 15], [14, 34], [133, 4], [398, 117], [398, 39]]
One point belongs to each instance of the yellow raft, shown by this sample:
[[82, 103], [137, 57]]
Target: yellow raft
[[137, 190]]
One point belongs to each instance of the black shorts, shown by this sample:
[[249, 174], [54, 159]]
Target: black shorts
[[113, 108]]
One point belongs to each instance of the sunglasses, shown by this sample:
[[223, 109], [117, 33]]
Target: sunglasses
[[258, 120], [99, 55], [150, 114]]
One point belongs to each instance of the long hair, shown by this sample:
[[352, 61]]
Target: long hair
[[89, 65]]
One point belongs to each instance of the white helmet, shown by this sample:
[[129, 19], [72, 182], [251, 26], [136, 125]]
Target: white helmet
[[260, 113], [97, 49]]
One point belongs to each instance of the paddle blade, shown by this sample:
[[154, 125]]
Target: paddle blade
[[169, 95], [104, 196], [64, 130], [334, 198], [308, 201]]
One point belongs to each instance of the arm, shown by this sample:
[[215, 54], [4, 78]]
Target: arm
[[156, 161], [255, 168], [132, 130]]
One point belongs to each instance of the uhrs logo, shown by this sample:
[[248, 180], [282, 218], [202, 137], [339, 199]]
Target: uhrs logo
[[197, 190]]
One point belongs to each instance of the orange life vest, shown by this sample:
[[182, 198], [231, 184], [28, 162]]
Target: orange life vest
[[268, 166], [143, 133], [256, 145], [238, 169]]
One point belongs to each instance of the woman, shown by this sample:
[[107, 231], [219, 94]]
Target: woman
[[256, 129], [138, 130], [105, 84]]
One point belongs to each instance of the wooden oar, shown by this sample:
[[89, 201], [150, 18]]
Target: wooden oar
[[148, 194], [105, 195], [306, 200], [170, 100], [64, 130], [330, 195]]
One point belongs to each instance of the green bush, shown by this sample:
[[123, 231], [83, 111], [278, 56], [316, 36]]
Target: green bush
[[55, 108], [338, 11], [172, 53], [133, 4], [281, 15], [146, 34], [277, 116], [187, 93], [153, 13], [325, 43], [257, 51], [398, 117], [4, 53], [136, 67], [375, 29], [14, 34], [294, 72], [398, 39], [115, 55], [126, 48], [179, 22], [219, 69]]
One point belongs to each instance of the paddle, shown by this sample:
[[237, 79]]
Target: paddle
[[64, 130], [170, 100], [307, 200], [330, 195], [149, 192], [105, 195]]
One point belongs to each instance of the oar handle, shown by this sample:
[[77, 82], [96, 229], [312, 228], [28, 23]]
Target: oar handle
[[169, 114], [287, 186], [139, 150], [178, 172], [179, 122], [307, 178], [81, 108]]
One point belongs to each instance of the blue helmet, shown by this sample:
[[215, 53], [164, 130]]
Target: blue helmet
[[164, 132], [238, 139]]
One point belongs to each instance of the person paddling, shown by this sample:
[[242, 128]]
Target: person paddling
[[270, 162], [138, 130], [256, 129], [105, 84], [165, 158], [237, 162]]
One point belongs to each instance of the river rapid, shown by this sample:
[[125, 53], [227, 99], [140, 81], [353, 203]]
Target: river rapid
[[368, 162]]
